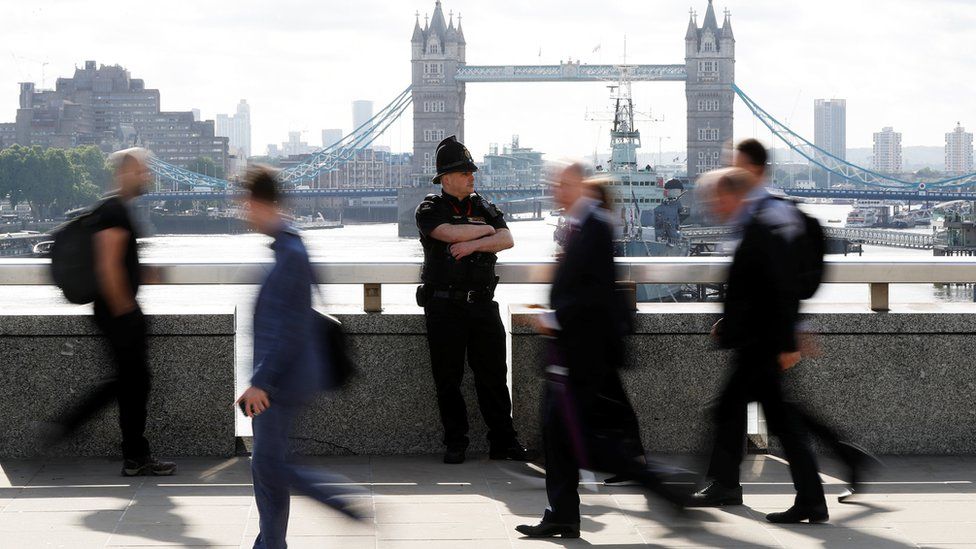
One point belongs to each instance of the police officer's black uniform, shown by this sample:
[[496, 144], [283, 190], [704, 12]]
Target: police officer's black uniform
[[462, 318]]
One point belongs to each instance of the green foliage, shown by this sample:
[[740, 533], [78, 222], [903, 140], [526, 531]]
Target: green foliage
[[52, 180], [929, 174], [207, 166]]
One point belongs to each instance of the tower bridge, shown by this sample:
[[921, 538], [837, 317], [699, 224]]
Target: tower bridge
[[437, 93], [440, 75]]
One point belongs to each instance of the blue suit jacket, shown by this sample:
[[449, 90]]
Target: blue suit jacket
[[286, 362]]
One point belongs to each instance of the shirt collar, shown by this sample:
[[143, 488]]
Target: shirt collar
[[284, 229], [581, 209], [454, 200], [749, 206]]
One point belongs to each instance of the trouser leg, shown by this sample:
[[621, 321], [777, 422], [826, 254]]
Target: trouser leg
[[620, 415], [486, 356], [729, 423], [104, 393], [271, 475], [446, 336], [789, 427], [127, 338], [562, 467]]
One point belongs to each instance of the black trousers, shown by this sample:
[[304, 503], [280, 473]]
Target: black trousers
[[583, 428], [756, 377], [128, 385], [457, 330]]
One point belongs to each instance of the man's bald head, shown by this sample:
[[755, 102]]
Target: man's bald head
[[568, 185]]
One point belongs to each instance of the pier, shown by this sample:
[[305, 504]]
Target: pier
[[878, 237]]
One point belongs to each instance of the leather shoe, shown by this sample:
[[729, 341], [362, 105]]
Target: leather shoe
[[617, 480], [512, 452], [549, 530], [454, 456], [716, 495], [800, 513], [858, 461]]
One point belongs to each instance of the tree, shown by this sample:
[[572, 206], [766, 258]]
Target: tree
[[207, 166], [928, 174]]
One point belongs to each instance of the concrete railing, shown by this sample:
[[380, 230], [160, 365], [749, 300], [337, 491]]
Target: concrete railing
[[878, 274]]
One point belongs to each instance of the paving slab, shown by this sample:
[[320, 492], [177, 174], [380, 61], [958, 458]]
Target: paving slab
[[418, 502]]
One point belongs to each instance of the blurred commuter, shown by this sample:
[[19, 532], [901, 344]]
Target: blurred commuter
[[759, 325], [118, 315], [289, 370], [752, 156], [587, 421], [461, 232]]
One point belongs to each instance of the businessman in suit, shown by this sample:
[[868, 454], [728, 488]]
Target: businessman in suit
[[585, 413], [288, 370], [759, 325]]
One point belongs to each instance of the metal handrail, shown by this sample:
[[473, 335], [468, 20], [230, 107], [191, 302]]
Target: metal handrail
[[691, 270], [651, 270]]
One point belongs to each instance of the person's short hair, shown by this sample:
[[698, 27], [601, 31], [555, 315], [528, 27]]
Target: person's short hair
[[754, 151], [120, 159], [261, 182], [734, 181]]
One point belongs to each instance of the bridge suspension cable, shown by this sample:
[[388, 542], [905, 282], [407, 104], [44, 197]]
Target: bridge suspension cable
[[326, 159], [835, 165]]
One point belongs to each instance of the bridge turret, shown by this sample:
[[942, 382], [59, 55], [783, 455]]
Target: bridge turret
[[710, 65], [438, 99], [417, 40], [451, 38]]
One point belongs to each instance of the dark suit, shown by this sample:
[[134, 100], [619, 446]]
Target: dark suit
[[759, 323], [588, 421], [288, 367]]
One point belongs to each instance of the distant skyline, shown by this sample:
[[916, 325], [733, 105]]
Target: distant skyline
[[300, 65]]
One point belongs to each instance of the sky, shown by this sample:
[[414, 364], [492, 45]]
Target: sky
[[300, 63]]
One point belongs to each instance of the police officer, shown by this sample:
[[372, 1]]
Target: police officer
[[461, 232]]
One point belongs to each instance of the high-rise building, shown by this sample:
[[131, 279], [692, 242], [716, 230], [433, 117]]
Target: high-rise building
[[959, 151], [830, 131], [887, 151], [295, 146], [710, 63], [105, 106], [196, 114], [331, 136], [237, 128], [362, 111]]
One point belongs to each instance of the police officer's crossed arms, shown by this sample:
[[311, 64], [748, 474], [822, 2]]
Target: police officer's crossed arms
[[461, 232]]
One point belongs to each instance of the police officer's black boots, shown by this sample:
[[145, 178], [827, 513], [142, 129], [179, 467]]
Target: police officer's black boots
[[454, 456]]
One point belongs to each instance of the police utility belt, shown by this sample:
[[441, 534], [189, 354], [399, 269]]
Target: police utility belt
[[426, 293]]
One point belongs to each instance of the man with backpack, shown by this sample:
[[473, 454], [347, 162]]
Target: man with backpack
[[110, 236], [752, 156], [759, 325], [290, 368]]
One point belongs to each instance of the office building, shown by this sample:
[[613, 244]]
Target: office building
[[237, 128], [830, 132]]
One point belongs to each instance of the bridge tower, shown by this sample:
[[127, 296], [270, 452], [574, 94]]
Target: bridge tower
[[710, 59], [438, 99]]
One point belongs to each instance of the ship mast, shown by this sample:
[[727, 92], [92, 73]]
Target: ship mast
[[624, 138]]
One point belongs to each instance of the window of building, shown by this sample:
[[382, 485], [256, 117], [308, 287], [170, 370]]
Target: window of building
[[707, 71], [708, 105], [708, 134]]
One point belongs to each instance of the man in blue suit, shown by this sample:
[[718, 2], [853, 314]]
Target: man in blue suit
[[288, 369]]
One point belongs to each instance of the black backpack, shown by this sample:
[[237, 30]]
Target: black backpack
[[73, 257], [813, 246], [810, 247]]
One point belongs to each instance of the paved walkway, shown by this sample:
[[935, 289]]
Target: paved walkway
[[418, 502]]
